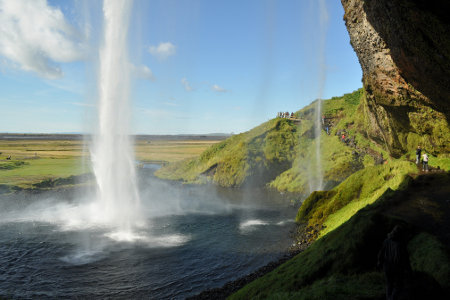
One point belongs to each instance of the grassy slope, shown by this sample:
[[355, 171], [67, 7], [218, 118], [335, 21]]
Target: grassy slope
[[282, 154], [337, 159], [334, 207], [248, 157], [342, 264], [274, 153], [322, 271]]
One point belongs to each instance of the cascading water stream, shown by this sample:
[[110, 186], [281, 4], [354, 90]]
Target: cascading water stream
[[316, 176], [112, 152], [317, 132]]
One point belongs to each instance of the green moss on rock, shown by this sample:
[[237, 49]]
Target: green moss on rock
[[334, 207], [343, 263], [254, 157]]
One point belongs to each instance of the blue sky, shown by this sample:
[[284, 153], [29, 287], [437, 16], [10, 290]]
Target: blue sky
[[201, 66]]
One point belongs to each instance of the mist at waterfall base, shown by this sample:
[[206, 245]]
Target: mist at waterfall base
[[195, 238]]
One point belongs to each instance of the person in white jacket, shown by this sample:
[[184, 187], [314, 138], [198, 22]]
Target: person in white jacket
[[425, 162]]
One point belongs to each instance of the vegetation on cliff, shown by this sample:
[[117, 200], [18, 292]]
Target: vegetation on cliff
[[276, 153], [370, 180], [334, 207], [255, 156], [403, 47], [343, 263], [364, 185], [280, 153]]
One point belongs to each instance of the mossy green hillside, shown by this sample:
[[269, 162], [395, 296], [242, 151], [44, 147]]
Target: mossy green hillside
[[343, 263], [401, 122], [258, 155], [338, 161], [280, 153], [334, 207], [427, 254]]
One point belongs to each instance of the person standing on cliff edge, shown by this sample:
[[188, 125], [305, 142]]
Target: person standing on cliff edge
[[418, 152]]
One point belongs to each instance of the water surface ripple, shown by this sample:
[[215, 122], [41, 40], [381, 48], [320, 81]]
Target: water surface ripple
[[211, 237]]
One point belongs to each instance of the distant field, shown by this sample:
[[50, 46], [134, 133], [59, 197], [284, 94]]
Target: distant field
[[170, 151], [33, 161]]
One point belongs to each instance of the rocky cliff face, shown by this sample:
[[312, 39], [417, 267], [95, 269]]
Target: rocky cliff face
[[404, 50]]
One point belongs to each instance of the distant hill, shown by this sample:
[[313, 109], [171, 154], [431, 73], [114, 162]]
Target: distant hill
[[280, 153]]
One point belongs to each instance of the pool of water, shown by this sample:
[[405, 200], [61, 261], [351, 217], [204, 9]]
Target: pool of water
[[195, 238]]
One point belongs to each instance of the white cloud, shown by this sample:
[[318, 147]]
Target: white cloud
[[163, 50], [219, 89], [186, 85], [142, 72], [36, 37]]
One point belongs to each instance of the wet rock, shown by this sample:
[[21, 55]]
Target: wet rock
[[403, 47]]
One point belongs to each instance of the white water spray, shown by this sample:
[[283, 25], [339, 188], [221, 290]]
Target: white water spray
[[316, 180], [112, 154]]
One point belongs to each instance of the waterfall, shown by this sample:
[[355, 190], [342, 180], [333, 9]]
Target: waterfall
[[112, 150], [316, 176]]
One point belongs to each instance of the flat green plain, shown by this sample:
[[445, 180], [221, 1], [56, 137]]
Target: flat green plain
[[33, 161]]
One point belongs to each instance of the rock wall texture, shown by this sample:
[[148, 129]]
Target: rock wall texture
[[404, 50]]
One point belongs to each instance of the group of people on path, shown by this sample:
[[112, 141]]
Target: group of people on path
[[424, 159], [285, 115]]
